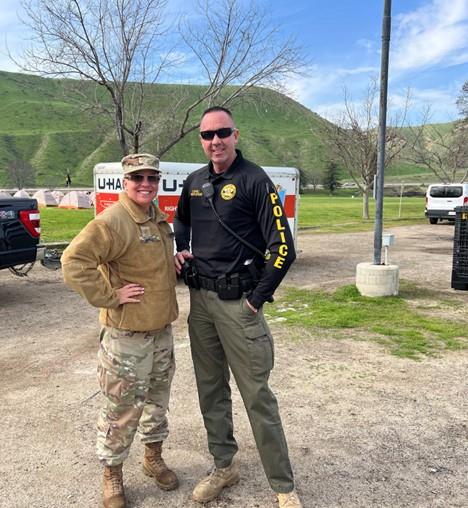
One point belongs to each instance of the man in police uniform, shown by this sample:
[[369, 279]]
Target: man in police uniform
[[122, 261], [229, 282]]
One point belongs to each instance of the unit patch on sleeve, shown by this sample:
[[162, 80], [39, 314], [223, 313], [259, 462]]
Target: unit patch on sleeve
[[228, 191]]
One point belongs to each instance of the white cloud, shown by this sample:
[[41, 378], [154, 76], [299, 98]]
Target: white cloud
[[319, 83], [333, 112], [441, 101], [430, 38], [434, 34], [366, 44]]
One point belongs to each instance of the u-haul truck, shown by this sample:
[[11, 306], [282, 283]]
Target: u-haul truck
[[108, 184]]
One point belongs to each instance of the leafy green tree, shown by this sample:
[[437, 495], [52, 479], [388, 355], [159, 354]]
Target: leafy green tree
[[462, 101], [330, 177]]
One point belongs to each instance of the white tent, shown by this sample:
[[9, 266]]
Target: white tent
[[92, 197], [21, 194], [44, 198], [4, 195], [58, 195], [75, 199]]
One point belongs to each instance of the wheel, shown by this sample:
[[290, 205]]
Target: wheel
[[433, 220]]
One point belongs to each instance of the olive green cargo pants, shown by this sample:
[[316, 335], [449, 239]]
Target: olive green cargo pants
[[227, 334]]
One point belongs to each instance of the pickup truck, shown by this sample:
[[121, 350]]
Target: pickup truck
[[19, 232]]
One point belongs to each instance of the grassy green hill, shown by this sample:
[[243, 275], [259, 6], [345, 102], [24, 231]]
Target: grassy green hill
[[42, 123]]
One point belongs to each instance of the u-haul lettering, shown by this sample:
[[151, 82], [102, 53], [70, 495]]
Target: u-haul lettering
[[108, 184]]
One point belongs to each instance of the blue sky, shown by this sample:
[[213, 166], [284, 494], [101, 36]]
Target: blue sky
[[342, 42], [428, 51]]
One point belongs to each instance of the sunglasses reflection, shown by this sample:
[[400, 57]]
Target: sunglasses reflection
[[222, 133], [141, 178]]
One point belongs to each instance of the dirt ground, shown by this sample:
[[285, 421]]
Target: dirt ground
[[365, 429]]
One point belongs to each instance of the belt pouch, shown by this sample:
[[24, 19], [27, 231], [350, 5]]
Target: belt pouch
[[229, 287]]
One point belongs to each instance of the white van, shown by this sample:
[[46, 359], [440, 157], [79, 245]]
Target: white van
[[442, 199]]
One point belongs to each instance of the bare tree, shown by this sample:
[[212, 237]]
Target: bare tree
[[234, 47], [441, 148], [113, 43], [20, 174], [353, 140], [117, 44]]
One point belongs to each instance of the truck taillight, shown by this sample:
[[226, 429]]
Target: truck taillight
[[465, 200], [31, 220]]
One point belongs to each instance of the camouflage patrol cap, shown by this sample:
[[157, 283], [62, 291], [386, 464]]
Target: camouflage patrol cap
[[140, 161]]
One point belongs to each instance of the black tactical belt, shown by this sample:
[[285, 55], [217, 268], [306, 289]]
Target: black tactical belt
[[207, 283], [245, 282], [228, 287]]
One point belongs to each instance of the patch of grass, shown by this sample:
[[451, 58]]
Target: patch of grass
[[62, 225], [335, 214], [328, 214], [388, 320]]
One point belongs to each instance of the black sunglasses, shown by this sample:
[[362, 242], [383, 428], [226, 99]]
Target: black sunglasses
[[222, 133], [139, 178]]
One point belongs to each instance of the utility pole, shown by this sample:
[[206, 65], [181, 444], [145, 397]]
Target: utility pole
[[386, 27]]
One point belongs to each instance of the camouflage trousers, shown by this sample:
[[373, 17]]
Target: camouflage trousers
[[135, 371]]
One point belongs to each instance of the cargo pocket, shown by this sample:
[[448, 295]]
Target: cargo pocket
[[117, 381], [260, 345]]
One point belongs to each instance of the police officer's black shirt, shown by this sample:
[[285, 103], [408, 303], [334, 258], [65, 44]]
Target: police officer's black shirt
[[246, 200]]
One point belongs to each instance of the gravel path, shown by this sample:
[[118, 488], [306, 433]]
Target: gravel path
[[364, 428]]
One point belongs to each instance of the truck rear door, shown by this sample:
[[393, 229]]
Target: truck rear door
[[445, 197], [19, 231]]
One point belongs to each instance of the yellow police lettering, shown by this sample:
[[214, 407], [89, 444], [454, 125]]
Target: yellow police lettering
[[277, 211], [274, 197], [283, 250], [279, 226], [279, 262], [282, 237]]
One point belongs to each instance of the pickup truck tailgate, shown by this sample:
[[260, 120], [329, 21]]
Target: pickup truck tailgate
[[18, 245]]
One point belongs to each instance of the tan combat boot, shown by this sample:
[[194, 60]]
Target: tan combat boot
[[113, 490], [211, 486], [154, 466], [289, 500]]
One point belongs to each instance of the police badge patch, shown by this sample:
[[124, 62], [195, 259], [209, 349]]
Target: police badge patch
[[228, 191]]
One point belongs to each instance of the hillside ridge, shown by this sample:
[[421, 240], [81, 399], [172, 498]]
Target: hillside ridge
[[42, 125]]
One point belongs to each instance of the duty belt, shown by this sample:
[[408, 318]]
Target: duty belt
[[228, 287], [245, 282]]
